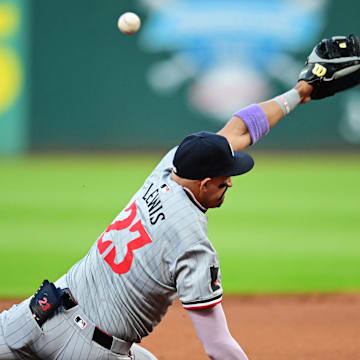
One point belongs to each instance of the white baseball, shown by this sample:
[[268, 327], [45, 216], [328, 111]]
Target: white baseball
[[129, 23]]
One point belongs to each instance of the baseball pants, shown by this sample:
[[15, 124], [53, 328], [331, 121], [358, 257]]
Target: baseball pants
[[66, 336]]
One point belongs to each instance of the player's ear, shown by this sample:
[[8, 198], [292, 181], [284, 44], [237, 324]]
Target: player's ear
[[204, 183]]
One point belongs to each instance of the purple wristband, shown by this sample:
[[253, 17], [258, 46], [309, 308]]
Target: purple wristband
[[255, 120]]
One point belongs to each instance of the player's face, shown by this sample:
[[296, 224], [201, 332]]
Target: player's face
[[213, 191]]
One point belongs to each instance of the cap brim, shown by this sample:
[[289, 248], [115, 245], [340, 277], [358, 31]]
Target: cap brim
[[243, 163]]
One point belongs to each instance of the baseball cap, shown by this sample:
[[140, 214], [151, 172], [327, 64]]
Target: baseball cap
[[207, 154]]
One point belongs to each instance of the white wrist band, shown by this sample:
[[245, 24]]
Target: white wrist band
[[288, 101]]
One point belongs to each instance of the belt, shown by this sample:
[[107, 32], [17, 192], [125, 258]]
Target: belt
[[99, 336], [102, 338]]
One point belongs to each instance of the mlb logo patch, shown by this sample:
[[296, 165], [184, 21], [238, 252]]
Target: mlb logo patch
[[165, 188], [80, 322]]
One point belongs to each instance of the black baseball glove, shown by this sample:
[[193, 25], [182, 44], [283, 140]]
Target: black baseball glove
[[333, 66]]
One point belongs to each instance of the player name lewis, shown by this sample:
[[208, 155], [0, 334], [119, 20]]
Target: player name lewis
[[153, 203]]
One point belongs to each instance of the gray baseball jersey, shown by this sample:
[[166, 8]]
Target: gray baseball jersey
[[155, 249]]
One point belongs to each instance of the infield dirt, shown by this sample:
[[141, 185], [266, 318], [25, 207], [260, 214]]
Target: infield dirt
[[296, 327]]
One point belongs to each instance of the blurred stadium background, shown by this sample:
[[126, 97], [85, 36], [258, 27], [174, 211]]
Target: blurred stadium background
[[86, 112]]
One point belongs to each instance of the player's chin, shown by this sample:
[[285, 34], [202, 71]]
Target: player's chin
[[216, 204], [221, 201], [219, 205]]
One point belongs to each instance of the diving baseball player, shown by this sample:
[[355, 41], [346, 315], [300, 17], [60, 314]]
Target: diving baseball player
[[157, 248]]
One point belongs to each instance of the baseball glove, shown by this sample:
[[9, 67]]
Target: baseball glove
[[333, 66]]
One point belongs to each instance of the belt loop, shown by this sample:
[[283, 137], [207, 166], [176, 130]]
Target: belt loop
[[120, 346]]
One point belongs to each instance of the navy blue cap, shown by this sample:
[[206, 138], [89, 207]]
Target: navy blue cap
[[206, 154]]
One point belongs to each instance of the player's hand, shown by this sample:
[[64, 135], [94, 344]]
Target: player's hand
[[333, 66], [304, 89]]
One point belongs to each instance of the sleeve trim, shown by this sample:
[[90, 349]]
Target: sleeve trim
[[202, 304]]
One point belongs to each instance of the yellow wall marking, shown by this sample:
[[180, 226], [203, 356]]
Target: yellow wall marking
[[11, 75], [9, 20]]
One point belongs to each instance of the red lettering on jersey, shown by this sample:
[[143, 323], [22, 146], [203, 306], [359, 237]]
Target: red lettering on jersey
[[143, 239], [117, 225], [44, 304]]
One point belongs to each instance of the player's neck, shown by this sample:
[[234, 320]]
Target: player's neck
[[190, 185]]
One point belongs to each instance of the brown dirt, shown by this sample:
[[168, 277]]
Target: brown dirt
[[300, 327]]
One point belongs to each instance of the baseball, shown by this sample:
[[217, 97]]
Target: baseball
[[129, 23]]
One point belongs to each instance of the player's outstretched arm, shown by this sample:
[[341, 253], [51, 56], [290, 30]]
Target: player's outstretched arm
[[262, 117], [332, 66], [212, 329]]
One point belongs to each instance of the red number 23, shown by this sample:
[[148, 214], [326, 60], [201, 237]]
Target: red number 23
[[143, 239]]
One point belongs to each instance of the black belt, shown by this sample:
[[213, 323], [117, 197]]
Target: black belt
[[99, 336], [102, 338]]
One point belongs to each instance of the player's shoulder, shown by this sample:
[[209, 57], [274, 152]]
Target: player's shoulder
[[166, 163], [168, 206], [187, 221], [178, 213]]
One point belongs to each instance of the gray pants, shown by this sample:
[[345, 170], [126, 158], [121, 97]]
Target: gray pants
[[66, 336]]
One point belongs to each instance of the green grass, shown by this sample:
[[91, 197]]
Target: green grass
[[290, 225]]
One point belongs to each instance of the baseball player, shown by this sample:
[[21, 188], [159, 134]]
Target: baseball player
[[157, 248]]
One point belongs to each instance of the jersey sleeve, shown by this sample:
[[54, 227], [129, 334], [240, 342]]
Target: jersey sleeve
[[198, 277]]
